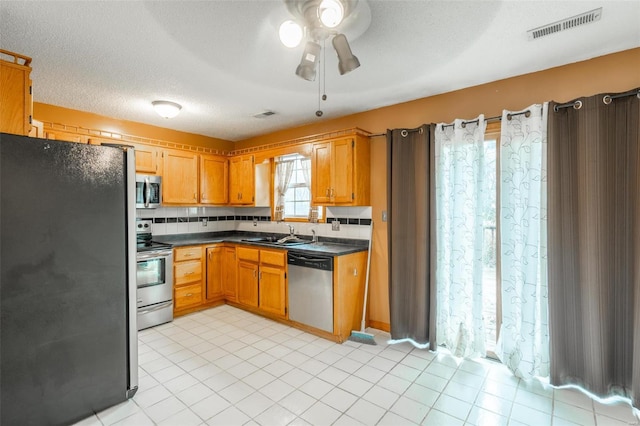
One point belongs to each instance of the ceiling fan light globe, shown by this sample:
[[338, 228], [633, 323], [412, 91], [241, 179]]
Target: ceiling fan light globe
[[309, 61], [347, 61], [166, 109], [331, 13], [290, 33]]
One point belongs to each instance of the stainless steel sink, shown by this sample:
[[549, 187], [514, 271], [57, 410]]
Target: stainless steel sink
[[287, 241], [292, 242], [260, 240]]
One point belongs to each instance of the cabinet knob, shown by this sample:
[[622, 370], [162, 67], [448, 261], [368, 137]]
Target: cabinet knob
[[189, 294]]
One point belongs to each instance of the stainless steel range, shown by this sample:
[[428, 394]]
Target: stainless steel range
[[154, 274]]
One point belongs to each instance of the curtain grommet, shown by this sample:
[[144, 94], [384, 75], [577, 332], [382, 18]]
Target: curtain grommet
[[404, 133], [577, 105], [607, 99]]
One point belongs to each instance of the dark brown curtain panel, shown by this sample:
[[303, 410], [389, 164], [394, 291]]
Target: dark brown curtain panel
[[594, 245], [410, 188]]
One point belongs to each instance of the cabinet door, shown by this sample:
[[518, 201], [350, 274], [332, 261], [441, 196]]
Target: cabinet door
[[272, 290], [342, 171], [321, 173], [235, 180], [15, 97], [248, 283], [241, 180], [214, 272], [58, 135], [180, 177], [247, 187], [230, 268], [146, 159], [214, 181]]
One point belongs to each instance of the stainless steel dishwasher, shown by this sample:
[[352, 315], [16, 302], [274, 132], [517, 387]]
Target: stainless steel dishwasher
[[311, 290]]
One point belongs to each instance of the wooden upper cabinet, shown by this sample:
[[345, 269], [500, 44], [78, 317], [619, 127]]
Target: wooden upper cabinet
[[321, 173], [59, 135], [180, 177], [147, 159], [214, 179], [340, 172], [241, 180], [16, 102]]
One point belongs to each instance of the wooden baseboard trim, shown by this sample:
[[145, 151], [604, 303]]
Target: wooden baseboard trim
[[380, 325]]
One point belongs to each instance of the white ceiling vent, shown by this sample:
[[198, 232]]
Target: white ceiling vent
[[264, 114], [565, 24]]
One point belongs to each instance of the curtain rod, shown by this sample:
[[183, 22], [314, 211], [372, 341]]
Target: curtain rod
[[606, 99], [526, 113]]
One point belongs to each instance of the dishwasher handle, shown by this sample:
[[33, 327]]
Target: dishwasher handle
[[309, 261]]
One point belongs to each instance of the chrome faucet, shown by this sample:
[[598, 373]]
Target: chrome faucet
[[292, 230], [314, 238]]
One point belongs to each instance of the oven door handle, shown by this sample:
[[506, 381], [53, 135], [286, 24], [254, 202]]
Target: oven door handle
[[156, 308], [152, 255]]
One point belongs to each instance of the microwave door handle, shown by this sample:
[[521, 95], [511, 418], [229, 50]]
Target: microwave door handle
[[147, 191]]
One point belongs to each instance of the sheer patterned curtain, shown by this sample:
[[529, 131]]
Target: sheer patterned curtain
[[305, 164], [284, 170], [459, 197], [523, 343]]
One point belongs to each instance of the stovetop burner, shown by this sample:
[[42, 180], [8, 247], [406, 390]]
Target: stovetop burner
[[144, 237], [151, 245]]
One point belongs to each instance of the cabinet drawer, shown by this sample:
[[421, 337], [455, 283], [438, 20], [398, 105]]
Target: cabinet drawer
[[276, 258], [188, 296], [244, 253], [186, 272], [187, 253]]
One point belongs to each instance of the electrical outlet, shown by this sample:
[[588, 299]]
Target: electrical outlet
[[335, 225], [204, 221]]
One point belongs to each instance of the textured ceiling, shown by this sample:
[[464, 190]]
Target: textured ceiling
[[223, 62]]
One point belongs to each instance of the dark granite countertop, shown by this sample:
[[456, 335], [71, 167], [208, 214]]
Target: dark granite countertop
[[327, 246]]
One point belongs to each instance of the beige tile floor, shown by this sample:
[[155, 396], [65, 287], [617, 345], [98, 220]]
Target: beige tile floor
[[225, 366]]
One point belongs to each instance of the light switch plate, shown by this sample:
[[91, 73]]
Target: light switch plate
[[335, 225], [384, 215]]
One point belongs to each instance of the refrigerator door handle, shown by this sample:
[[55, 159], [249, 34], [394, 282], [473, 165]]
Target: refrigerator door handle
[[132, 311]]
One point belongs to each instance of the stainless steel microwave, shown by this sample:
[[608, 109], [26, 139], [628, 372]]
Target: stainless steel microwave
[[148, 191]]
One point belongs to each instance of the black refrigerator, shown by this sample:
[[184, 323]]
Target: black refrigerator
[[68, 332]]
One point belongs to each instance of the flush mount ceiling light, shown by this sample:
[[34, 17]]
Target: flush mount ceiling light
[[166, 109], [318, 20]]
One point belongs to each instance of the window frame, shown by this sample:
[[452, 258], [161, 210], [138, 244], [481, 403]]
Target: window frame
[[299, 219]]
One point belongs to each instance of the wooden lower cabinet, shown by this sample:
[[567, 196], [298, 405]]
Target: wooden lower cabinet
[[187, 279], [188, 296], [247, 283], [272, 282], [215, 275], [262, 280], [256, 279], [230, 272], [248, 259]]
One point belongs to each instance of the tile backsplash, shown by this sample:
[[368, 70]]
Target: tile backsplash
[[355, 222]]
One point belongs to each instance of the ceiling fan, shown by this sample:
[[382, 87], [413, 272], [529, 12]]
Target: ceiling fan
[[318, 21]]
